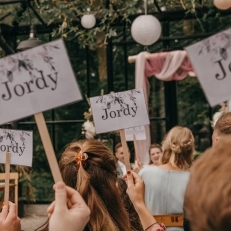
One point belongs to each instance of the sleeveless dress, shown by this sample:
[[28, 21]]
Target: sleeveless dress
[[164, 191]]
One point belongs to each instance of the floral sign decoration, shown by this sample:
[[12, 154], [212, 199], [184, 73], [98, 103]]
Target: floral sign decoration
[[26, 63]]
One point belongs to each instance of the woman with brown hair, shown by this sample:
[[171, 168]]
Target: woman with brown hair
[[155, 152], [90, 168], [165, 184]]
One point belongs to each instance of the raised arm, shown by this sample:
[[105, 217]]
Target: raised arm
[[135, 192]]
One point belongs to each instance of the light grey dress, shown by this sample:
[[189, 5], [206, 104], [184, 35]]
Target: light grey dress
[[164, 191]]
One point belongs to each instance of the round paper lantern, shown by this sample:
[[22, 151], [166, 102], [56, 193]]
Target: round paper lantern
[[222, 4], [88, 21], [146, 29]]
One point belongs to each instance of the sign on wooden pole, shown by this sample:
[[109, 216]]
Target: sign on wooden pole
[[43, 131], [15, 148], [136, 148], [118, 111], [125, 150], [34, 81]]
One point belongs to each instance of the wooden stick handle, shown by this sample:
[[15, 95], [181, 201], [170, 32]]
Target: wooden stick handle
[[136, 148], [46, 140], [132, 59], [7, 180], [125, 150]]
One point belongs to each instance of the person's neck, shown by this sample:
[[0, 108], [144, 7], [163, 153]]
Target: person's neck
[[169, 166]]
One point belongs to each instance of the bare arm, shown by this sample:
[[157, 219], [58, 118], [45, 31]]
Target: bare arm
[[135, 192]]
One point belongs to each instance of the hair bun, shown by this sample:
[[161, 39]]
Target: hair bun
[[187, 146], [176, 149]]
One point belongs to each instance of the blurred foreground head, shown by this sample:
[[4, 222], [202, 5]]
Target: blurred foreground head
[[90, 167], [208, 195], [222, 128]]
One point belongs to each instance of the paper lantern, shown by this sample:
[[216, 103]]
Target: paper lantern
[[222, 4], [88, 21], [146, 29]]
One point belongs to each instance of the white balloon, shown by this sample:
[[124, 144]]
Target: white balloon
[[222, 4], [146, 29], [88, 21]]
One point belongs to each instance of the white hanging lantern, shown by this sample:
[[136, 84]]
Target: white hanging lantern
[[146, 29], [88, 21], [222, 4]]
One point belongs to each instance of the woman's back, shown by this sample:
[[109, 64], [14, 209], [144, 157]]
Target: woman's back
[[164, 190], [165, 185]]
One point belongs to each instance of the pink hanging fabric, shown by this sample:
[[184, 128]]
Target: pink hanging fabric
[[168, 66], [142, 82], [165, 66]]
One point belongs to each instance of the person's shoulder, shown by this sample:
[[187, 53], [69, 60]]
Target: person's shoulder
[[147, 170]]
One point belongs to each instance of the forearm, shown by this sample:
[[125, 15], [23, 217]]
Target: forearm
[[145, 216]]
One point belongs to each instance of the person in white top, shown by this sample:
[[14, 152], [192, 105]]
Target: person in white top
[[119, 154], [165, 184]]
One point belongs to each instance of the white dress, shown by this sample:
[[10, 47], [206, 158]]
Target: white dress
[[164, 191]]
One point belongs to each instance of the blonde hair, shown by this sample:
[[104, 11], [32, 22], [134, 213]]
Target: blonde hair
[[178, 148], [208, 195], [223, 125], [95, 179]]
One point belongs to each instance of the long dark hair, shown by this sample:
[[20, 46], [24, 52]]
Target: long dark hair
[[95, 179]]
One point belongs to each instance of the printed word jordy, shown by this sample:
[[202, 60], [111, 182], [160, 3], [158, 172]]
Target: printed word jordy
[[129, 111], [12, 149], [41, 82]]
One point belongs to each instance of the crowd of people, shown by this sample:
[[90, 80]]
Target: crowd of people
[[99, 194]]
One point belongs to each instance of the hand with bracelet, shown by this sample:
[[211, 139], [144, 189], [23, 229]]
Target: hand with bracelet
[[135, 192]]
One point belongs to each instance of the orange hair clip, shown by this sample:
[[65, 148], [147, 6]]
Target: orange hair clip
[[80, 157]]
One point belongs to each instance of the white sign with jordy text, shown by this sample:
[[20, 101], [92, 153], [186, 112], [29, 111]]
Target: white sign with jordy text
[[211, 59], [36, 80], [119, 110], [19, 144], [139, 132]]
